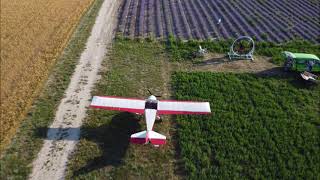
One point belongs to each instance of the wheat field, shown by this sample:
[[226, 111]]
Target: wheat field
[[33, 35]]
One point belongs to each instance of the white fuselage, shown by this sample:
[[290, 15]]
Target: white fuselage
[[150, 111]]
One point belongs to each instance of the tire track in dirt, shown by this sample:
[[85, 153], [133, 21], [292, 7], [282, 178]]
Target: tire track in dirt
[[64, 132]]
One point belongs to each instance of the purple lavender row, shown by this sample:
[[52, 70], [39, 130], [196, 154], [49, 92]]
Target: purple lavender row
[[220, 29], [271, 7], [149, 25], [123, 15], [240, 21], [177, 28], [312, 9], [211, 27], [225, 21], [140, 20], [168, 21], [247, 14], [129, 19], [269, 24], [279, 20], [184, 21], [295, 14], [158, 19], [133, 19], [191, 19], [201, 24]]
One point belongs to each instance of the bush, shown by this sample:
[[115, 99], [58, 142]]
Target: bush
[[180, 50]]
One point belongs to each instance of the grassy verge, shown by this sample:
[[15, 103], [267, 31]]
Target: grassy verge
[[261, 127], [185, 50], [16, 160], [104, 151]]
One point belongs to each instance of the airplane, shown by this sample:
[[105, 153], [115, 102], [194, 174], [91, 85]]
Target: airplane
[[152, 108]]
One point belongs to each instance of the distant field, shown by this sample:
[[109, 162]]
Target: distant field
[[33, 33], [261, 127], [270, 20]]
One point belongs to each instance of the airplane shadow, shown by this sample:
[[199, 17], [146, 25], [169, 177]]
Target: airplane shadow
[[113, 140]]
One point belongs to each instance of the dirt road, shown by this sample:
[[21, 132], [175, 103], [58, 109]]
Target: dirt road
[[64, 133]]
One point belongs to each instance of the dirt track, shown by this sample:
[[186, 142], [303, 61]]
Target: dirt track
[[220, 63], [64, 132], [214, 62]]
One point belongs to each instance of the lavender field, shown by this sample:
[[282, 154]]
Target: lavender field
[[269, 20]]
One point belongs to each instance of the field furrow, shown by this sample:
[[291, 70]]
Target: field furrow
[[159, 20], [141, 20], [195, 29], [199, 20], [213, 31], [123, 16], [289, 18], [275, 21], [168, 18], [133, 19], [184, 20], [264, 25], [222, 29], [150, 25], [226, 20], [177, 28]]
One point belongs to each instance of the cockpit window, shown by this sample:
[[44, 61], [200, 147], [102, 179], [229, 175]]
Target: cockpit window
[[151, 105]]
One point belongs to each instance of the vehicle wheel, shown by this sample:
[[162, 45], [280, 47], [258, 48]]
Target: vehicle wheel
[[287, 66]]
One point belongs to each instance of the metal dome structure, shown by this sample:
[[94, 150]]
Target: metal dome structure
[[242, 48]]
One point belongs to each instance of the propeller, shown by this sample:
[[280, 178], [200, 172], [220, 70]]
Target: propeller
[[152, 94]]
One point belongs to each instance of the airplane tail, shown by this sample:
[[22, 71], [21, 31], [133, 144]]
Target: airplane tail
[[144, 137]]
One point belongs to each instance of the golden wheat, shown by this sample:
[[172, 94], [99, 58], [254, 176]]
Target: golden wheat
[[33, 34]]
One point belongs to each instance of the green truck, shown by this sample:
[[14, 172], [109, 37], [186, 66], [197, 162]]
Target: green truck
[[301, 62]]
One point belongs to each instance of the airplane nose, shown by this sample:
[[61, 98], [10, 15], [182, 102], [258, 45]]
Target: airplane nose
[[152, 97]]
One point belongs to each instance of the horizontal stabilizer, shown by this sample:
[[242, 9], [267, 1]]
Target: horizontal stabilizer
[[156, 138], [144, 137], [139, 138]]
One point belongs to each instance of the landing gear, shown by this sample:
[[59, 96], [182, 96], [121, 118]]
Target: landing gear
[[158, 119]]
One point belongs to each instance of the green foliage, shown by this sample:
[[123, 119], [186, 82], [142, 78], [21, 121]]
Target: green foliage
[[260, 128], [185, 50], [181, 50]]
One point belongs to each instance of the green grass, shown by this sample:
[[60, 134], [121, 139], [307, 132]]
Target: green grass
[[261, 127], [16, 160], [180, 50], [104, 151]]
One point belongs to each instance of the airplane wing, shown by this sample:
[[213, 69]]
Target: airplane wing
[[183, 107], [118, 104]]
